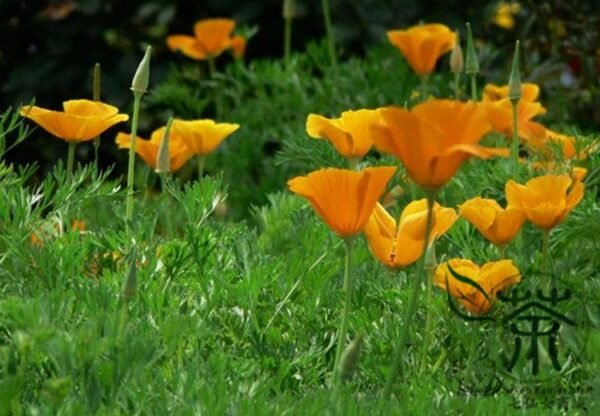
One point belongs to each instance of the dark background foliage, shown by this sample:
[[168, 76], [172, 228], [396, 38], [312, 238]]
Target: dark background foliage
[[49, 47]]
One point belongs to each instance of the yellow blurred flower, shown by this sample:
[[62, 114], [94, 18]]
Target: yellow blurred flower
[[545, 200], [211, 38], [423, 45], [498, 225], [344, 199], [492, 278], [434, 138], [505, 14], [350, 134], [80, 121], [398, 245], [201, 137]]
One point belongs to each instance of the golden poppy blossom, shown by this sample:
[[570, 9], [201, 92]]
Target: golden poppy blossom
[[179, 153], [434, 138], [496, 224], [80, 121], [398, 245], [201, 137], [545, 200], [492, 92], [423, 45], [343, 198], [211, 38], [492, 277], [350, 134]]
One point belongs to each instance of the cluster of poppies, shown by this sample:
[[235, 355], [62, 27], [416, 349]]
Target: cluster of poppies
[[432, 140]]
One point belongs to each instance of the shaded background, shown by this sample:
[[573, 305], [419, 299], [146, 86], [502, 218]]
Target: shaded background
[[49, 47]]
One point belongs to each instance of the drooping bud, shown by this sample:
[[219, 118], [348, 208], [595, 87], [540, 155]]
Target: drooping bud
[[350, 357], [514, 81], [163, 157], [471, 62], [289, 9], [141, 78], [457, 61]]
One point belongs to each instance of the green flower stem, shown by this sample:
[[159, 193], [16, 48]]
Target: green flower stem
[[412, 304], [211, 66], [337, 376], [329, 31], [515, 138], [456, 85], [474, 87], [287, 39], [200, 159], [71, 158], [424, 87], [544, 268], [428, 324], [165, 207], [501, 251], [96, 97], [137, 97]]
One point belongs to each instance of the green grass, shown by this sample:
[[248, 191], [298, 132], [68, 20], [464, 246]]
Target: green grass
[[238, 314]]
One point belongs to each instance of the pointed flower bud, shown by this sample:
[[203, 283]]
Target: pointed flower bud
[[457, 61], [163, 157], [471, 63], [351, 357], [514, 82], [141, 78], [289, 9]]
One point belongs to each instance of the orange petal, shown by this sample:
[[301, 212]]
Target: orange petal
[[238, 46], [187, 45], [202, 136], [214, 35]]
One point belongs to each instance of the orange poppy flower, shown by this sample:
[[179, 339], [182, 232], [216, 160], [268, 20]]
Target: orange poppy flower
[[434, 138], [496, 224], [343, 198], [545, 200], [550, 141], [350, 134], [402, 244], [201, 137], [501, 117], [423, 45], [80, 121], [211, 38], [492, 278], [148, 149]]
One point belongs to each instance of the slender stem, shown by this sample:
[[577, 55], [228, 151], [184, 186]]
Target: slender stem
[[287, 39], [137, 97], [474, 87], [424, 86], [329, 32], [346, 313], [211, 66], [200, 159], [96, 97], [164, 203], [501, 251], [544, 268], [412, 305], [515, 138], [71, 158], [457, 85]]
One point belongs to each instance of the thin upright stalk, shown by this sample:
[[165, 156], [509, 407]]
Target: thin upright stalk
[[424, 87], [501, 251], [137, 97], [200, 160], [71, 158], [456, 85], [337, 376], [96, 97], [412, 305], [287, 34], [474, 87], [544, 267], [211, 66], [329, 32]]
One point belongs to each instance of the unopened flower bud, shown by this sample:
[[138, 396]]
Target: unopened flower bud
[[289, 9], [514, 81], [457, 61], [163, 157], [471, 62], [141, 78], [350, 357]]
